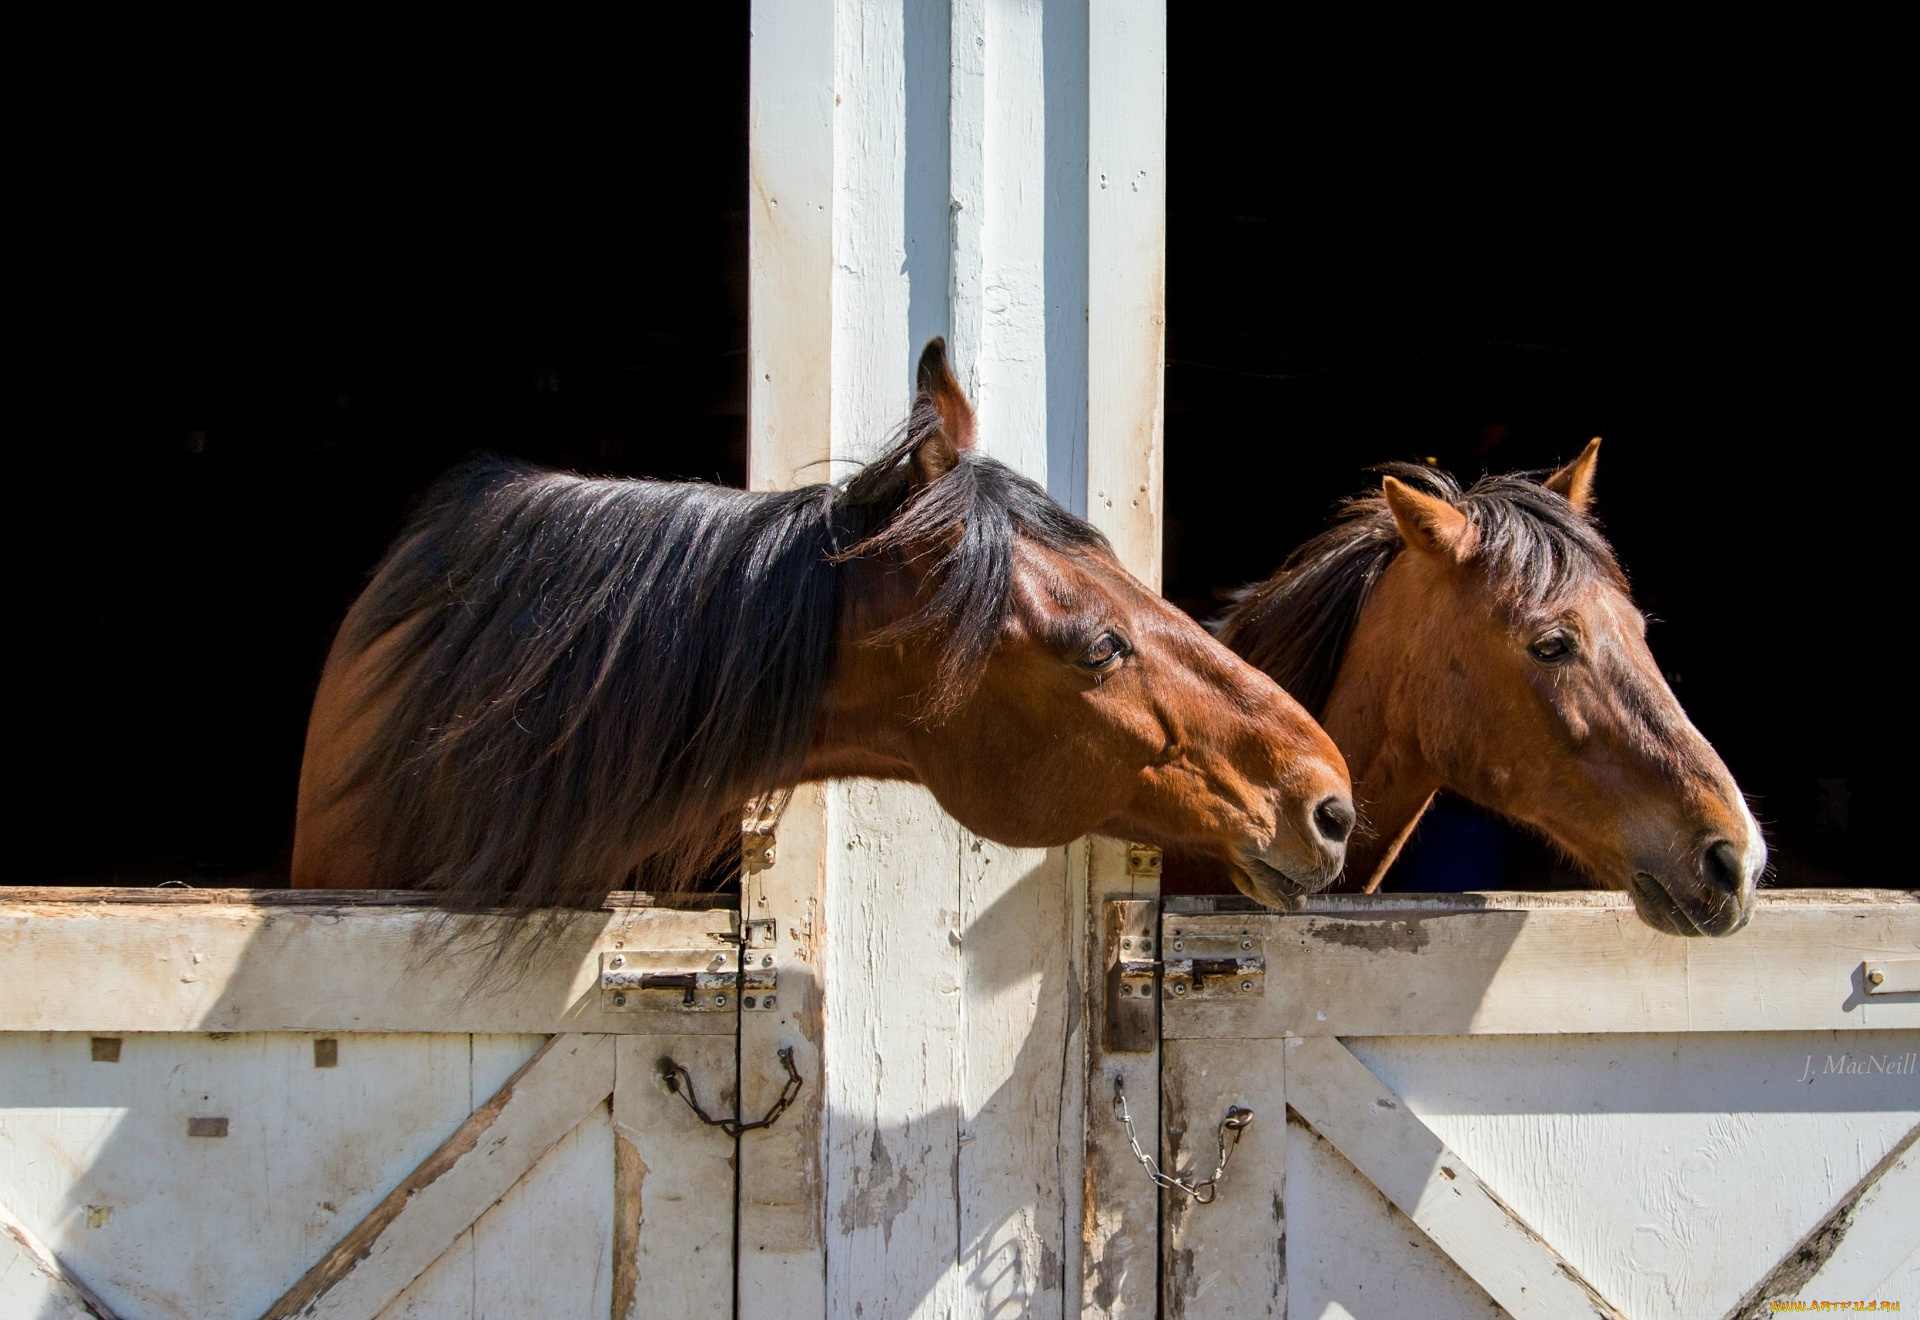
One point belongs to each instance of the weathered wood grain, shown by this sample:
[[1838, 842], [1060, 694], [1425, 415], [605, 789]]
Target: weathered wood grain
[[1578, 963], [242, 967], [783, 1237], [1119, 1228], [1350, 1252], [673, 1183], [1673, 1170], [98, 1156], [453, 1187], [1227, 1258], [1432, 1185], [33, 1282]]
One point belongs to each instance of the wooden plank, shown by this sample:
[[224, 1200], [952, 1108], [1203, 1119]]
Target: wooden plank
[[782, 1186], [327, 899], [1015, 1031], [782, 1264], [673, 1182], [1117, 1247], [33, 1282], [1672, 1169], [134, 967], [1119, 1237], [1126, 184], [1350, 1253], [544, 1249], [1227, 1258], [541, 1252], [1512, 900], [1858, 1247], [894, 1063], [453, 1187], [1432, 1185], [1452, 968], [97, 1151]]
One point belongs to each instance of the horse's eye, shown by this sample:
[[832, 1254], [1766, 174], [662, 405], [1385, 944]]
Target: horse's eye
[[1551, 649], [1105, 652]]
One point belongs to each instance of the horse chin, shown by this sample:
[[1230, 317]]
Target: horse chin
[[1661, 910], [1265, 883]]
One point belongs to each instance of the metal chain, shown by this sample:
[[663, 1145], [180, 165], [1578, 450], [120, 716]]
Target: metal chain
[[1200, 1193], [680, 1082]]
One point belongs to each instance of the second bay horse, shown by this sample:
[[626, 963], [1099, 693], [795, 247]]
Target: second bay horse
[[555, 686], [1483, 641]]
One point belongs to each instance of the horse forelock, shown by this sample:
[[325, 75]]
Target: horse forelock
[[1535, 550], [592, 676]]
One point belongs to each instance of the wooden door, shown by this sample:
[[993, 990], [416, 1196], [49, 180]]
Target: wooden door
[[1533, 1105], [233, 1103]]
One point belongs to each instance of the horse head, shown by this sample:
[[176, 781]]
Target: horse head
[[996, 651], [1484, 641]]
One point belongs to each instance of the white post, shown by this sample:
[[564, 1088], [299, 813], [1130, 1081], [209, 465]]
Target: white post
[[923, 169]]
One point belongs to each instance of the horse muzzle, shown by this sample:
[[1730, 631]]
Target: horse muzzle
[[1308, 856], [1712, 894]]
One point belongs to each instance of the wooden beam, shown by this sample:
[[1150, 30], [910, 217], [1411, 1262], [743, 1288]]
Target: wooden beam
[[783, 1246], [454, 1186], [1533, 964], [174, 966], [33, 1282], [673, 1184], [1227, 1259], [1119, 1228], [1432, 1186], [1856, 1245]]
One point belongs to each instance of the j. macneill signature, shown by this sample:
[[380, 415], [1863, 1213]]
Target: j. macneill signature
[[1865, 1065]]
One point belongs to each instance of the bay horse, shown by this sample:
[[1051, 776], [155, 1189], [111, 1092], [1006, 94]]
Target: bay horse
[[1483, 641], [554, 686]]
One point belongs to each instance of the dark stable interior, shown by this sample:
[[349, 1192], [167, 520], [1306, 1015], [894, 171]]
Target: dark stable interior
[[259, 342]]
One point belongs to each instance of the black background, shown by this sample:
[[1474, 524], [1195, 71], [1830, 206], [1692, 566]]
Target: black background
[[261, 311]]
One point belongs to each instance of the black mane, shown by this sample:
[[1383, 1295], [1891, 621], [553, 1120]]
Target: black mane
[[1537, 548], [589, 679]]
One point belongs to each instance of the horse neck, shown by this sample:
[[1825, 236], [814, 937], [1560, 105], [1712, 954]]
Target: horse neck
[[862, 730], [1392, 780]]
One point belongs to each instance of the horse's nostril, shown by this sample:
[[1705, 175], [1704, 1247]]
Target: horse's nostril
[[1721, 867], [1334, 819]]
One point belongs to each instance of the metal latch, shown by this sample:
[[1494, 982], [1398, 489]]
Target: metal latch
[[684, 980], [1214, 965], [1899, 976]]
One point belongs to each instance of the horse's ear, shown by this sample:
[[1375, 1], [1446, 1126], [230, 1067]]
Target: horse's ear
[[940, 394], [1426, 523], [1575, 480]]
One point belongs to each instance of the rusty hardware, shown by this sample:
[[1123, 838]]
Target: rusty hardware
[[679, 1081], [685, 980], [1143, 861], [1133, 1011], [1200, 1193], [1214, 965], [1892, 976], [759, 849]]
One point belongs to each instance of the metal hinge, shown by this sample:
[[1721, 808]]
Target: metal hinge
[[1215, 966], [759, 848], [1133, 1015], [686, 981]]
